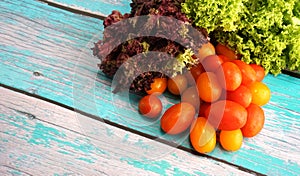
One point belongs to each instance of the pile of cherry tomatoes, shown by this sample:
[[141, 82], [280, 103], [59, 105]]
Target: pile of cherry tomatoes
[[221, 100]]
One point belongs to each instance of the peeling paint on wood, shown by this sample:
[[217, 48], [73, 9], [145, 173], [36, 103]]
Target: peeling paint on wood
[[6, 171], [97, 7], [56, 145], [56, 44]]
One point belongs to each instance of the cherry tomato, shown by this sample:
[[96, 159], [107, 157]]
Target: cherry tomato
[[260, 72], [177, 84], [206, 50], [224, 58], [223, 95], [158, 86], [241, 95], [229, 75], [248, 73], [150, 106], [261, 94], [190, 95], [203, 107], [202, 136], [211, 63], [177, 118], [231, 140], [208, 87], [190, 79], [224, 50], [255, 121], [197, 70], [226, 115]]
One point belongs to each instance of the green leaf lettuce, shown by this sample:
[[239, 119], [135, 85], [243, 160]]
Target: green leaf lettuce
[[265, 32]]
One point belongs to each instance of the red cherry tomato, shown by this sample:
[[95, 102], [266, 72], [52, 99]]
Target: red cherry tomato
[[203, 107], [196, 71], [255, 121], [224, 58], [193, 74], [177, 118], [229, 75], [224, 50], [177, 84], [241, 95], [190, 79], [211, 63], [190, 95], [150, 106], [248, 73], [206, 50], [260, 72], [226, 115]]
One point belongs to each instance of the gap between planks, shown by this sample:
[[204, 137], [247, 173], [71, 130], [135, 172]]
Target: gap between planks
[[76, 10], [101, 120], [101, 16], [60, 101], [64, 122], [8, 170]]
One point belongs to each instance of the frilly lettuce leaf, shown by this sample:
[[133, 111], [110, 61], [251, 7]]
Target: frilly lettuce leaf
[[264, 32]]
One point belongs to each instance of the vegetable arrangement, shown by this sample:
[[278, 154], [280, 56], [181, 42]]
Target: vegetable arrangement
[[150, 32], [226, 102], [222, 52]]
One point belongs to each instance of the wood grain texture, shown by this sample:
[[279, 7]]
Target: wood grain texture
[[96, 7], [40, 138], [48, 55], [7, 170]]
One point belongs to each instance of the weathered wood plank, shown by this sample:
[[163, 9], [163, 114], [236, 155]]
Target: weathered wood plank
[[47, 54], [6, 171], [96, 7], [40, 138]]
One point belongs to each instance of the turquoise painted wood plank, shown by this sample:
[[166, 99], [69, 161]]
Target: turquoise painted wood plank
[[6, 170], [47, 56], [98, 7], [40, 138]]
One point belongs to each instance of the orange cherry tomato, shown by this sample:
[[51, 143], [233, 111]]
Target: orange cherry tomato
[[202, 136], [150, 106], [224, 50], [206, 50], [190, 95], [211, 63], [208, 87], [177, 84], [241, 95], [177, 118], [248, 73], [229, 75], [261, 94], [231, 140], [255, 121], [158, 86], [226, 115], [260, 72]]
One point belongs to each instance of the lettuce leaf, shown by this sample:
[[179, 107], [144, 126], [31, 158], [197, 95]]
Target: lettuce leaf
[[264, 32]]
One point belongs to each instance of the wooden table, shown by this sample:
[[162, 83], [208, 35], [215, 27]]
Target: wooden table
[[59, 117]]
